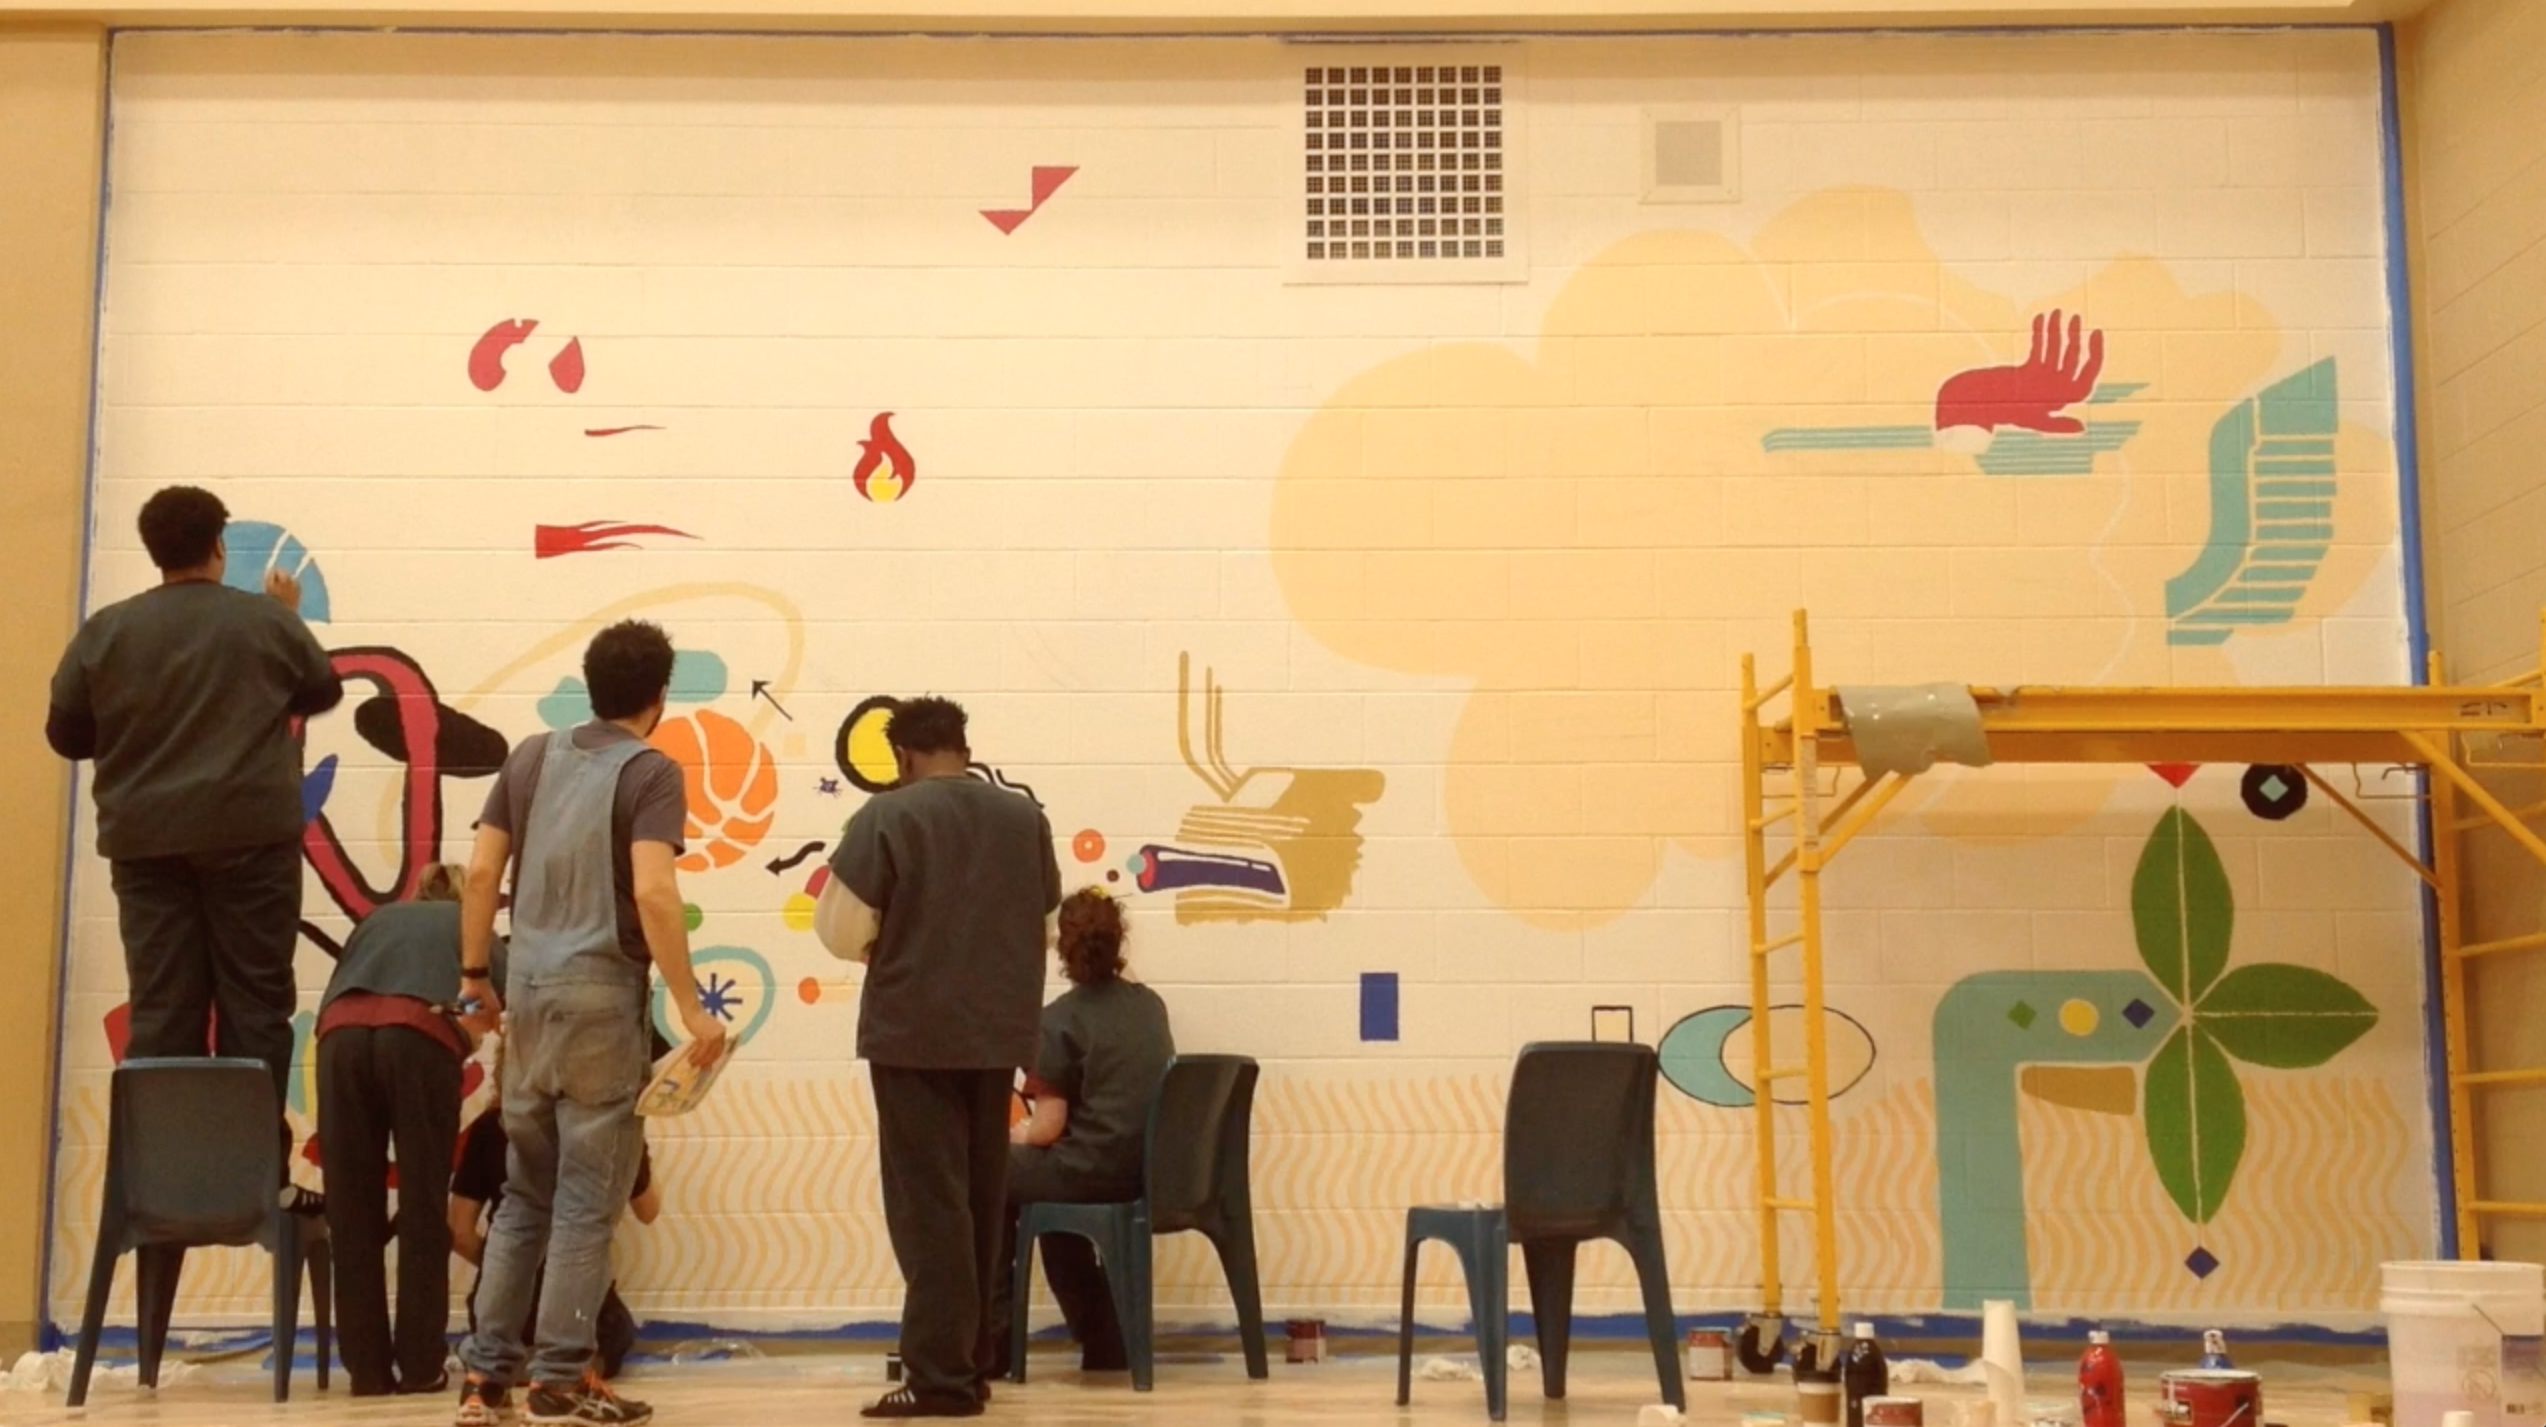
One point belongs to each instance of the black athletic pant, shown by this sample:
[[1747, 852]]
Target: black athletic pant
[[378, 1086], [213, 929], [942, 1150], [1070, 1265]]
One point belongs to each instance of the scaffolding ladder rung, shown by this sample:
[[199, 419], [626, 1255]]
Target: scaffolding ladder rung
[[1786, 1072], [2530, 942], [2536, 1076], [1767, 948], [1763, 824], [2509, 1208], [1799, 1205]]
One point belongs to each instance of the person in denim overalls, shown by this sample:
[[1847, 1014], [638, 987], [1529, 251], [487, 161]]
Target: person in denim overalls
[[575, 1023]]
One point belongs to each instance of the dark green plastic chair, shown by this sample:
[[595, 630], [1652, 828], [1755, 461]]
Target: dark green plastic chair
[[1577, 1166], [193, 1161], [1196, 1174]]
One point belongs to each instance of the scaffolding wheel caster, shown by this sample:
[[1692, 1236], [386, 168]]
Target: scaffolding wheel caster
[[1762, 1344]]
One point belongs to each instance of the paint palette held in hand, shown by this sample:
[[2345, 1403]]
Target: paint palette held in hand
[[678, 1086]]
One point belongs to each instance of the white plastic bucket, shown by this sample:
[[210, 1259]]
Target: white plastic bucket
[[2464, 1337]]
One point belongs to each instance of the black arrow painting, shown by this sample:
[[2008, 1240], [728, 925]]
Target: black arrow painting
[[778, 865]]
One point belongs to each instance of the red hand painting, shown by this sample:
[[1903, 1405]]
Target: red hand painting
[[551, 541], [2059, 372]]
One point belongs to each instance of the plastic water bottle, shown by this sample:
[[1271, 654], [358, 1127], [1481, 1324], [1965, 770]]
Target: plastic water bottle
[[1863, 1373], [2099, 1383], [2214, 1351]]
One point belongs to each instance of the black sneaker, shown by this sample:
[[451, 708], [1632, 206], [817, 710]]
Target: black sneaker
[[588, 1403], [902, 1402], [482, 1404], [308, 1203]]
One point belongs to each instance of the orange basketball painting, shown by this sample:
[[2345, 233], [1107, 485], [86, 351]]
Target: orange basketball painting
[[731, 779]]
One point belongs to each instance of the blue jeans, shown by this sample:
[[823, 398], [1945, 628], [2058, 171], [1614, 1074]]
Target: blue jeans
[[574, 1064]]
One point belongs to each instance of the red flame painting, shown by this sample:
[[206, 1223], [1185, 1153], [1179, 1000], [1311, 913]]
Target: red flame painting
[[2060, 371], [886, 472], [551, 541]]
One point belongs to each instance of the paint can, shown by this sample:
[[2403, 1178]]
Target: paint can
[[1817, 1402], [1895, 1412], [1307, 1340], [2210, 1399], [1710, 1356], [893, 1367]]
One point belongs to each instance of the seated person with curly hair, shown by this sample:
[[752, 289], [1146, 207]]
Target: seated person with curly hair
[[1106, 1045]]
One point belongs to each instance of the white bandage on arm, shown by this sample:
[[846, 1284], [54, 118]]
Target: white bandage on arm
[[846, 926]]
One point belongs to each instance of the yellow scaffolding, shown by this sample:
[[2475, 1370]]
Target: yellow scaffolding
[[2428, 726]]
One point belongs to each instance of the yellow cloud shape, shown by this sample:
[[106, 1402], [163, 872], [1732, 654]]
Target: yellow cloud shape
[[1593, 535]]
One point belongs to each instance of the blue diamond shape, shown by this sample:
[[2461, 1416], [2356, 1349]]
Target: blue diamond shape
[[2023, 1015], [2139, 1013], [2203, 1263], [2275, 789]]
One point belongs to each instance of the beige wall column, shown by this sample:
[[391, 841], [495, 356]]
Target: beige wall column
[[53, 107]]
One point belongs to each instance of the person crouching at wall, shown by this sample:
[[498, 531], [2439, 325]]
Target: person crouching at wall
[[392, 1037], [1106, 1045]]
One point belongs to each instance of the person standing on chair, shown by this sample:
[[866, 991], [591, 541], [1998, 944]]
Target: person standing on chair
[[185, 696], [943, 887], [591, 822], [1106, 1046], [392, 1037]]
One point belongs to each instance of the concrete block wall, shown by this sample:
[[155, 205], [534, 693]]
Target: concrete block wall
[[1468, 562]]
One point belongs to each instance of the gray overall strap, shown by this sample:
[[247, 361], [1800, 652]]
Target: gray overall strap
[[565, 897]]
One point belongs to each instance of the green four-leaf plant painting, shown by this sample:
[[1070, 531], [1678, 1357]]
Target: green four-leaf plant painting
[[2274, 1015]]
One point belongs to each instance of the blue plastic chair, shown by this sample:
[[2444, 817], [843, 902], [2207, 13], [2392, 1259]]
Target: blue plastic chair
[[193, 1161], [1577, 1166], [1196, 1174]]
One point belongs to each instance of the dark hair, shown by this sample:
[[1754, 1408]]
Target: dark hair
[[627, 667], [1092, 933], [928, 725], [180, 526]]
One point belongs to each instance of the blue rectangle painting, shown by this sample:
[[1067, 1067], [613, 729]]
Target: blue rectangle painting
[[1379, 1005]]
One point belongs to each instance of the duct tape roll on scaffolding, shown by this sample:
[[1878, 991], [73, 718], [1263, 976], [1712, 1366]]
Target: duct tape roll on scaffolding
[[1909, 728]]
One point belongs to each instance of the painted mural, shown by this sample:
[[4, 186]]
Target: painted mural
[[1376, 641]]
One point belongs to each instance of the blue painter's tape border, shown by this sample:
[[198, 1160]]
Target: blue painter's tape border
[[2408, 435], [47, 1336]]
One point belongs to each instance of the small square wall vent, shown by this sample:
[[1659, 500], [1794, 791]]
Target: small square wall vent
[[1692, 155], [1409, 167]]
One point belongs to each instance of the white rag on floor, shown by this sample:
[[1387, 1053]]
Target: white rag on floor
[[1451, 1370], [51, 1372]]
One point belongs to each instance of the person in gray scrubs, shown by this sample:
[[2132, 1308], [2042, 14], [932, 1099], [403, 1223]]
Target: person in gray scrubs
[[942, 887], [186, 696], [1106, 1046], [393, 1034], [591, 822]]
